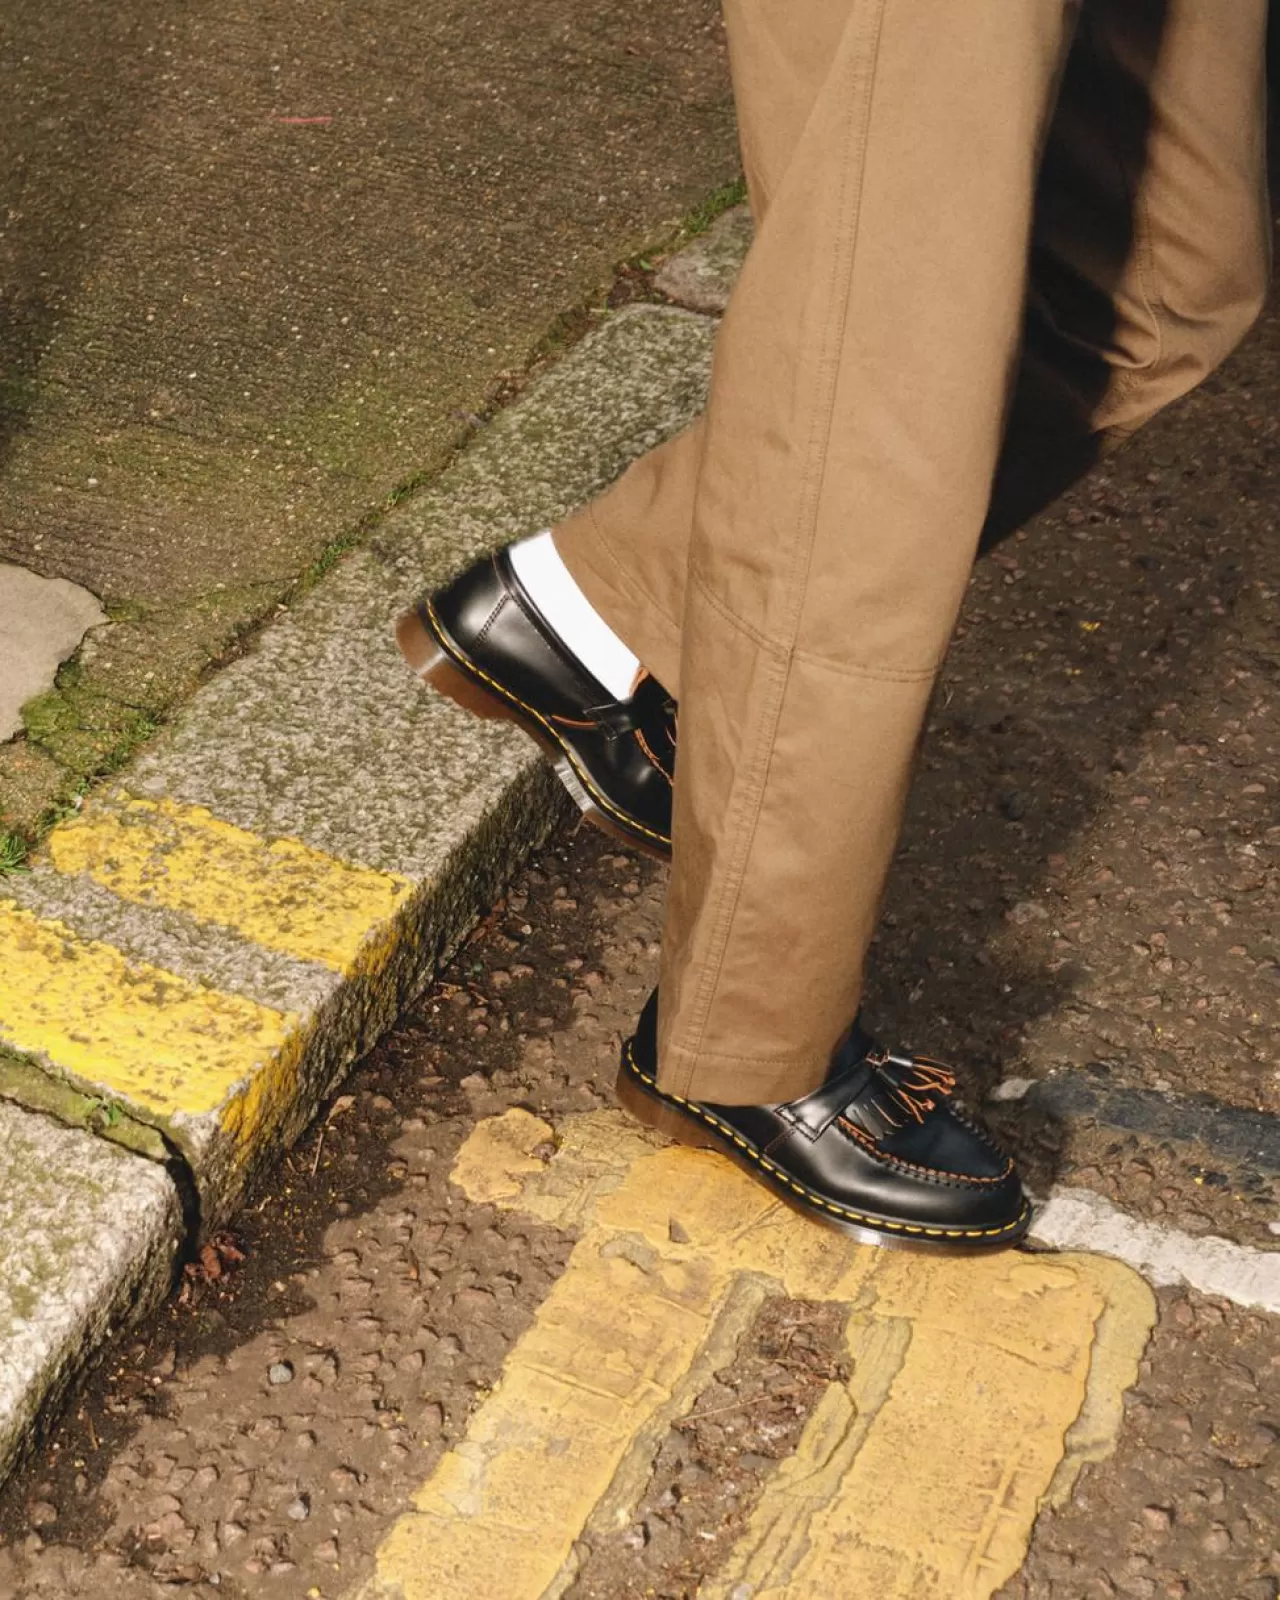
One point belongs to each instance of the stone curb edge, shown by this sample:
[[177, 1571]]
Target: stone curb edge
[[196, 959]]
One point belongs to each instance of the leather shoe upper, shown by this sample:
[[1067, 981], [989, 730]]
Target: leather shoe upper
[[625, 749], [882, 1137]]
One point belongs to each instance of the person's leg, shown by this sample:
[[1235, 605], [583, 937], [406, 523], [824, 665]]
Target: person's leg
[[1150, 249], [1148, 264], [856, 413], [1154, 163], [816, 530], [764, 928]]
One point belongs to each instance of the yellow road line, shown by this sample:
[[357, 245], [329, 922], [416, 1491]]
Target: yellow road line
[[919, 1478], [142, 1034], [280, 894]]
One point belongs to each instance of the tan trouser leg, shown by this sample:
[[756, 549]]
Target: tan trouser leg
[[1150, 253], [1149, 262], [842, 476]]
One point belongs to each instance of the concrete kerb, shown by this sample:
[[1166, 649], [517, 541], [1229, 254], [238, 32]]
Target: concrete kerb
[[208, 946], [192, 964], [703, 276], [88, 1235]]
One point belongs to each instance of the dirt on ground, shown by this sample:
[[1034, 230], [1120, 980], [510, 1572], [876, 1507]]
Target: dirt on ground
[[709, 1473], [261, 1434]]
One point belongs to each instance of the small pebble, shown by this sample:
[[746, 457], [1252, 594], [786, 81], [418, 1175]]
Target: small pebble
[[280, 1372], [298, 1510], [1013, 1089]]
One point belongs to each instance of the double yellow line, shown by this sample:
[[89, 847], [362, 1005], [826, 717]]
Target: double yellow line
[[161, 1043]]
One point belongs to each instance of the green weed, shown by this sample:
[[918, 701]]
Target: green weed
[[13, 854], [105, 1113]]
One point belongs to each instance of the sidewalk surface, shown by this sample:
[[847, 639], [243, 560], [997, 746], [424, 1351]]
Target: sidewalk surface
[[475, 1324], [264, 266]]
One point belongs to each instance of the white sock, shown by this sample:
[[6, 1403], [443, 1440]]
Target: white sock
[[552, 589]]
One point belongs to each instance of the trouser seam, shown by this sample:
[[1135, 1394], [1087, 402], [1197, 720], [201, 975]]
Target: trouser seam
[[760, 759], [850, 669], [730, 616], [868, 670]]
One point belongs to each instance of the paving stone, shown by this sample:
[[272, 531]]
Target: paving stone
[[702, 276], [42, 622]]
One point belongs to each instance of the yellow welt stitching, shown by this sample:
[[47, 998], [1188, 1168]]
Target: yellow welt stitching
[[809, 1194], [479, 672]]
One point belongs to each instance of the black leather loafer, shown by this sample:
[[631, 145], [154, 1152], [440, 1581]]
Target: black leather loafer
[[880, 1151], [483, 642]]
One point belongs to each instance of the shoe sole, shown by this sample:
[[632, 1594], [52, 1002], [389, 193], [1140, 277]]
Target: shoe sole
[[438, 661], [691, 1124]]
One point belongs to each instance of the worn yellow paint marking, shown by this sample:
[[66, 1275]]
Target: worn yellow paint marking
[[279, 893], [143, 1035], [920, 1477]]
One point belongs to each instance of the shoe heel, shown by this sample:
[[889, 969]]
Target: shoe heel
[[421, 649], [662, 1118]]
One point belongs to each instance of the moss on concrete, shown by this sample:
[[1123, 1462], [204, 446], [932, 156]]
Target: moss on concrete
[[112, 697], [26, 1083]]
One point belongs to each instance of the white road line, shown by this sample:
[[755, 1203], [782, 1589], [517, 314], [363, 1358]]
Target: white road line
[[1078, 1219]]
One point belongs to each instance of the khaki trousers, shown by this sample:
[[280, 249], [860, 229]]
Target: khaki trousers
[[1027, 223]]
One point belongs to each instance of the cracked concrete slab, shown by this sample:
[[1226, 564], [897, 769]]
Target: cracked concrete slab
[[42, 622]]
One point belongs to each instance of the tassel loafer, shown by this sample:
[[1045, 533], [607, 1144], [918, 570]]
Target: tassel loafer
[[881, 1150], [482, 642]]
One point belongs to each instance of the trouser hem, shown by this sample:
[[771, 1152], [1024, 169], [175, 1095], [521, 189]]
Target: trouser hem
[[738, 1080]]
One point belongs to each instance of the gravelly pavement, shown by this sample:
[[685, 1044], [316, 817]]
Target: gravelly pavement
[[1087, 886], [265, 1432], [383, 1308], [263, 265], [1187, 1506]]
